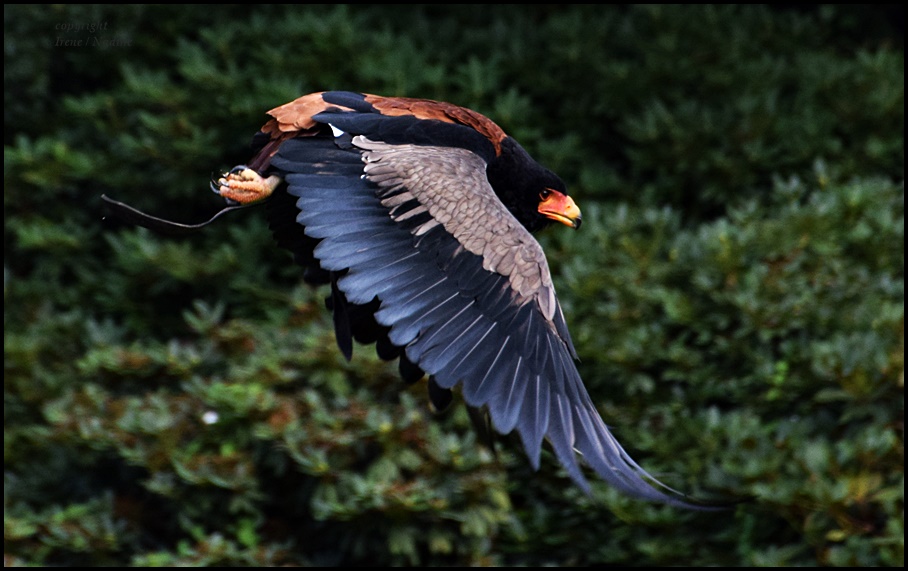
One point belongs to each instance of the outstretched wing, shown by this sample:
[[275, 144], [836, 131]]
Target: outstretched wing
[[463, 288]]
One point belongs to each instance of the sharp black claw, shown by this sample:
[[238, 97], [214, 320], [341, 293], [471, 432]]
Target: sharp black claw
[[215, 186]]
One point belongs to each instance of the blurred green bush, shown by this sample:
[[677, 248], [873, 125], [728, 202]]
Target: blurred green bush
[[736, 293]]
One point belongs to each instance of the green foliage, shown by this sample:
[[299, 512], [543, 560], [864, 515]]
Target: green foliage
[[736, 293]]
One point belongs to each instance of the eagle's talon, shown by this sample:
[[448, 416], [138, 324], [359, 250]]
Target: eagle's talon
[[242, 185]]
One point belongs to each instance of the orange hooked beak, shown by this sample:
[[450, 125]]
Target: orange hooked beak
[[560, 208]]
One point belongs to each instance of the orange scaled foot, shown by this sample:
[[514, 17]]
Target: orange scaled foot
[[243, 185]]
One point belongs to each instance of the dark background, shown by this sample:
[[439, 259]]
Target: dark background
[[736, 293]]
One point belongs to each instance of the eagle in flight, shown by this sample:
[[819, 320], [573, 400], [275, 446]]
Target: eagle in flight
[[418, 215]]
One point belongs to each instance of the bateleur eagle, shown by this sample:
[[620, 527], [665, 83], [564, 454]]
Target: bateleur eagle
[[418, 215]]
